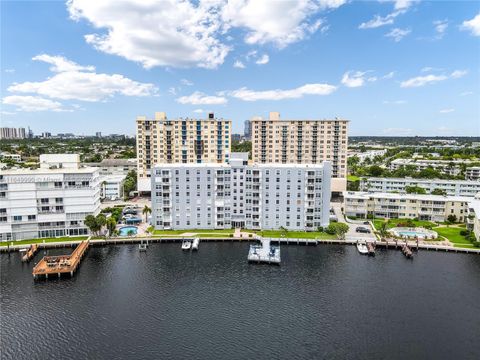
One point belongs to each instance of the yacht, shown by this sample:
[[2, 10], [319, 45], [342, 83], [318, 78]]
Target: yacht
[[186, 245], [362, 248]]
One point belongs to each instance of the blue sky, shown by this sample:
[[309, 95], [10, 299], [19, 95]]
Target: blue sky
[[391, 67]]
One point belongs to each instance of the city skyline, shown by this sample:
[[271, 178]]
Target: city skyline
[[327, 59]]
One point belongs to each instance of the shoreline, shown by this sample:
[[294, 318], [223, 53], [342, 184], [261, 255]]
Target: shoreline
[[284, 241]]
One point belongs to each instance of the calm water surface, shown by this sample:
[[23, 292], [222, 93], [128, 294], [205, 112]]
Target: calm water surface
[[324, 302]]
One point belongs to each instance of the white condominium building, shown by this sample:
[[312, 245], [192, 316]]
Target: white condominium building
[[450, 187], [472, 173], [162, 140], [391, 205], [48, 202], [473, 218], [239, 195], [302, 142], [450, 167], [114, 166]]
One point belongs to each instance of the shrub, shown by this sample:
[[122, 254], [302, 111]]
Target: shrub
[[464, 232], [476, 244]]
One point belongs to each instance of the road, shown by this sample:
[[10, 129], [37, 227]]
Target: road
[[352, 234]]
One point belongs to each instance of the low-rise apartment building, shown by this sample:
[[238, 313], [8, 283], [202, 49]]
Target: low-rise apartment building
[[51, 201], [449, 167], [161, 140], [450, 187], [114, 166], [370, 154], [241, 195], [473, 218], [111, 186], [301, 141], [410, 206]]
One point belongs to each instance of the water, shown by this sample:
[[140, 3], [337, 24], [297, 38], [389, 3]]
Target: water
[[127, 230], [324, 302]]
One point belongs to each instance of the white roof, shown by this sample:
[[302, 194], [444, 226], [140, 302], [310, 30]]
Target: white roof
[[378, 195]]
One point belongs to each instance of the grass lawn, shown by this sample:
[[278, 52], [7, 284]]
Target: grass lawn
[[394, 222], [47, 240], [197, 231], [452, 234], [353, 178], [296, 234]]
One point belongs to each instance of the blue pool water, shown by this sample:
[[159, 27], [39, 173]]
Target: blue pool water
[[411, 233], [124, 231]]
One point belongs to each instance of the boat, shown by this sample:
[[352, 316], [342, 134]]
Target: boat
[[142, 247], [186, 245], [195, 243], [362, 248]]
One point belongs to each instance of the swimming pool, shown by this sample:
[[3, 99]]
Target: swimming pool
[[413, 233], [128, 230]]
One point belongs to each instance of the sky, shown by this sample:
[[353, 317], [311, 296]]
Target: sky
[[393, 68]]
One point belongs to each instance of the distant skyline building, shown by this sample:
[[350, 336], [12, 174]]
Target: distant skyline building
[[9, 133], [98, 134], [183, 140], [302, 142], [247, 132], [241, 195]]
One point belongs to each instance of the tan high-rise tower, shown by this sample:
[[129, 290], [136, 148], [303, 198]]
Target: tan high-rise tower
[[302, 142]]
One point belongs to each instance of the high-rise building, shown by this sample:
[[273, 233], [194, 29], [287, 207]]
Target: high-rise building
[[8, 133], [241, 195], [247, 132], [162, 140], [51, 201], [302, 142], [98, 134]]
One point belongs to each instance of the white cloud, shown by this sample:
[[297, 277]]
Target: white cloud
[[466, 93], [354, 79], [69, 83], [390, 75], [199, 98], [431, 79], [398, 131], [398, 34], [238, 64], [458, 74], [264, 59], [430, 69], [10, 71], [440, 28], [403, 4], [395, 102], [379, 21], [246, 94], [61, 64], [32, 103], [472, 25], [155, 33], [422, 80], [172, 90], [446, 111], [278, 22], [188, 33], [198, 111], [186, 82], [7, 112]]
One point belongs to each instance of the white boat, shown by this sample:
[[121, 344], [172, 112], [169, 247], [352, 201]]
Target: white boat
[[186, 245], [195, 243], [362, 248]]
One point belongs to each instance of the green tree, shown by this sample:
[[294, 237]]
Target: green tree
[[439, 192], [91, 223], [415, 190], [383, 229], [130, 183], [339, 229], [111, 225], [452, 218], [375, 170], [146, 210]]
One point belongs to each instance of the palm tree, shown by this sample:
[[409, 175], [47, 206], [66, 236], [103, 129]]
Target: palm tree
[[383, 229], [111, 225], [146, 210]]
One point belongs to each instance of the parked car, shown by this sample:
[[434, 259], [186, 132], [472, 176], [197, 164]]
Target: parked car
[[366, 223], [361, 229]]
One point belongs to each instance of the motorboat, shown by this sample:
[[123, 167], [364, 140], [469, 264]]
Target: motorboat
[[186, 245], [195, 243], [362, 248]]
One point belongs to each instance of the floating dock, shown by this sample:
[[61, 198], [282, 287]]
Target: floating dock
[[62, 264], [32, 250], [264, 252], [371, 249], [407, 251], [195, 243]]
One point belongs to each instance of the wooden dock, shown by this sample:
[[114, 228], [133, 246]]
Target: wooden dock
[[264, 252], [32, 250], [62, 264]]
